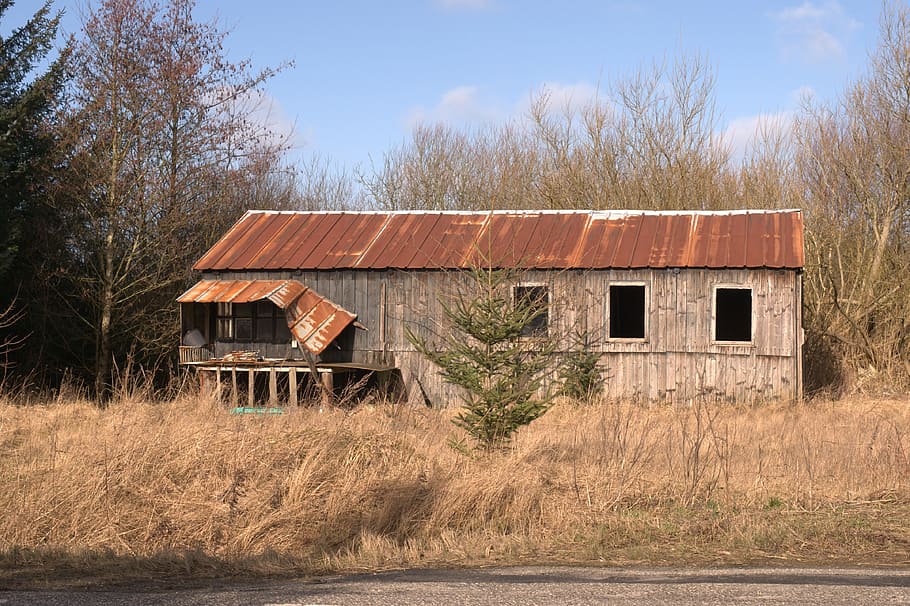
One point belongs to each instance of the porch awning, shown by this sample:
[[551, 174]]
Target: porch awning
[[314, 320]]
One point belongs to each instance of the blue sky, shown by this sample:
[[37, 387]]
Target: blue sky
[[366, 71]]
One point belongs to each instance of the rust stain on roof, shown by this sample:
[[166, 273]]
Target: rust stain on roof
[[264, 240], [314, 320]]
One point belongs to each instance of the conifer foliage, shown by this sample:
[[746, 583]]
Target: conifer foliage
[[26, 98], [486, 352]]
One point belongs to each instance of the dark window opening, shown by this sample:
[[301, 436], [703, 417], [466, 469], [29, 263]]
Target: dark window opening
[[282, 331], [195, 318], [627, 311], [733, 314], [535, 300], [265, 321], [260, 322]]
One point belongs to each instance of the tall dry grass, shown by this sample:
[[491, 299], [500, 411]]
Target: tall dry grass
[[184, 486]]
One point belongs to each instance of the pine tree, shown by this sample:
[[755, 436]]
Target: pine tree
[[580, 374], [26, 99], [489, 355]]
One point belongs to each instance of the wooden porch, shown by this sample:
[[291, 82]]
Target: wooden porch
[[287, 380]]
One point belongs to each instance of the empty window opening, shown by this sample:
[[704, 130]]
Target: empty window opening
[[243, 322], [733, 314], [534, 300], [627, 311]]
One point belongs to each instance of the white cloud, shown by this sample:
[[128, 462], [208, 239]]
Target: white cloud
[[814, 32], [468, 105], [460, 105], [806, 10], [568, 97], [456, 5], [803, 93], [743, 134], [823, 45], [263, 111], [267, 112]]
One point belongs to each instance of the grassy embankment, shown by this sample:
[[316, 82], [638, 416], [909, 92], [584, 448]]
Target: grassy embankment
[[185, 489]]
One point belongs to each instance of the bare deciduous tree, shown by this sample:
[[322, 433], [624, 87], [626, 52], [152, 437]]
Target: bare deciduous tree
[[651, 141], [157, 133], [855, 170], [9, 340]]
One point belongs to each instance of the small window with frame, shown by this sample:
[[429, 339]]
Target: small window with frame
[[224, 322], [535, 299], [732, 318], [628, 317], [259, 322]]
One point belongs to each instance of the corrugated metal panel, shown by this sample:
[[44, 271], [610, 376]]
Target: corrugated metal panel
[[466, 242], [606, 235], [243, 291], [310, 249], [410, 233], [262, 230], [626, 232], [531, 239], [349, 240], [556, 238], [291, 236], [314, 320], [432, 245]]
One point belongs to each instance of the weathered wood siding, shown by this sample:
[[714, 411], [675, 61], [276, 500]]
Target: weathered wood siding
[[676, 361]]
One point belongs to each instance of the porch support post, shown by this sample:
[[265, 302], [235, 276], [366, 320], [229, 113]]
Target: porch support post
[[218, 385], [251, 388], [273, 387], [234, 395], [292, 386], [317, 380], [328, 381]]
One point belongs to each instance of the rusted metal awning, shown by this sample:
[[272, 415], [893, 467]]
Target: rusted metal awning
[[314, 320]]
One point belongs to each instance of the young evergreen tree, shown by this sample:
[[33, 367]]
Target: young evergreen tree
[[496, 352], [580, 375]]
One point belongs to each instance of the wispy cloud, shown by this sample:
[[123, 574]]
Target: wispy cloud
[[805, 11], [458, 106], [467, 104], [802, 94], [567, 97], [463, 5], [262, 111], [267, 112], [743, 134], [814, 32]]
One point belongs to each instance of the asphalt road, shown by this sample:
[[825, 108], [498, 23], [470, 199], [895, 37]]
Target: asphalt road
[[524, 585]]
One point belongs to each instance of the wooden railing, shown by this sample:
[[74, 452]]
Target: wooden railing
[[190, 354]]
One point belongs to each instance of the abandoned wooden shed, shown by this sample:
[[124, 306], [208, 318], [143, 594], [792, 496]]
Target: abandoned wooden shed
[[676, 304]]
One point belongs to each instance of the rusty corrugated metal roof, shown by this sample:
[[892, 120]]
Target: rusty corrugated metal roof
[[314, 320], [264, 240]]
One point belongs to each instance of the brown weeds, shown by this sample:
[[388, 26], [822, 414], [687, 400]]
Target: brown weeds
[[184, 486]]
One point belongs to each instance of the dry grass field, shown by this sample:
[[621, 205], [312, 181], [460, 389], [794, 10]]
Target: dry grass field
[[183, 488]]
